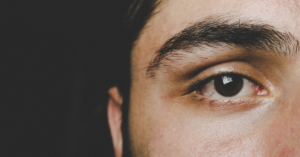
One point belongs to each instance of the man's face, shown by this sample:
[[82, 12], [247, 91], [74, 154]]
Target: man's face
[[212, 93]]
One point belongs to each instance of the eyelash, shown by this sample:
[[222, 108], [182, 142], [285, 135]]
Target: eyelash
[[198, 84]]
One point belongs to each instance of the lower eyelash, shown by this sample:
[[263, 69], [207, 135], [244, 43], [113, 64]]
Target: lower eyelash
[[202, 99], [210, 102]]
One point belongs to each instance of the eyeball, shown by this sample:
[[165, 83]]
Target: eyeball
[[230, 85]]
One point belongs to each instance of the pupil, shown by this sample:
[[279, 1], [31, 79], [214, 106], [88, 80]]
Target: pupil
[[228, 85]]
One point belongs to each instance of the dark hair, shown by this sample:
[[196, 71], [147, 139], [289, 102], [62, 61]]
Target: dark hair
[[138, 14]]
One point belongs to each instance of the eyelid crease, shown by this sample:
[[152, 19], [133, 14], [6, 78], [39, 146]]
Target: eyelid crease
[[198, 84]]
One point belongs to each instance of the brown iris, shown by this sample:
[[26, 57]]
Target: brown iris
[[228, 85]]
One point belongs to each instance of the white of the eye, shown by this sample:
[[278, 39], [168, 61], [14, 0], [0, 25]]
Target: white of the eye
[[210, 91]]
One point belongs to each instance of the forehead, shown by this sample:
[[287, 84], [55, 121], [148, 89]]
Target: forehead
[[172, 16]]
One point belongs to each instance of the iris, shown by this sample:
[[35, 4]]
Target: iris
[[228, 85]]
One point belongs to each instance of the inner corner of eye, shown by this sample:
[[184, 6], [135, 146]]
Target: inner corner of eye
[[260, 90], [199, 91]]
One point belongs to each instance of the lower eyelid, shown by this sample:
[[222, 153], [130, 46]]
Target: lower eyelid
[[229, 106]]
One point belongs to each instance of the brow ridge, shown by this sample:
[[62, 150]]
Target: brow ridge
[[222, 31]]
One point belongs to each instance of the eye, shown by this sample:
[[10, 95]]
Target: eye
[[230, 85]]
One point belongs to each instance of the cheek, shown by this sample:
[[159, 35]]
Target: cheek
[[281, 137], [183, 135], [180, 136], [188, 141]]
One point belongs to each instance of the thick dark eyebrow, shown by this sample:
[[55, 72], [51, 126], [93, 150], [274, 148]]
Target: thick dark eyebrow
[[216, 32]]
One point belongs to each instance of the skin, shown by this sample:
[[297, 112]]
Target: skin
[[163, 122]]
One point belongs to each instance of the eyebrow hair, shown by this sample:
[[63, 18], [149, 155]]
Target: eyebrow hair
[[219, 31]]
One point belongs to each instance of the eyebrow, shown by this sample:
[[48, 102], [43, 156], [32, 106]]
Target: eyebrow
[[219, 31]]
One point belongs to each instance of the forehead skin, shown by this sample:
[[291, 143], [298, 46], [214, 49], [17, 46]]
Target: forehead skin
[[175, 15], [154, 129]]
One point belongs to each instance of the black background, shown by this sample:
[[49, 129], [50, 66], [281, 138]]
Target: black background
[[57, 57]]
